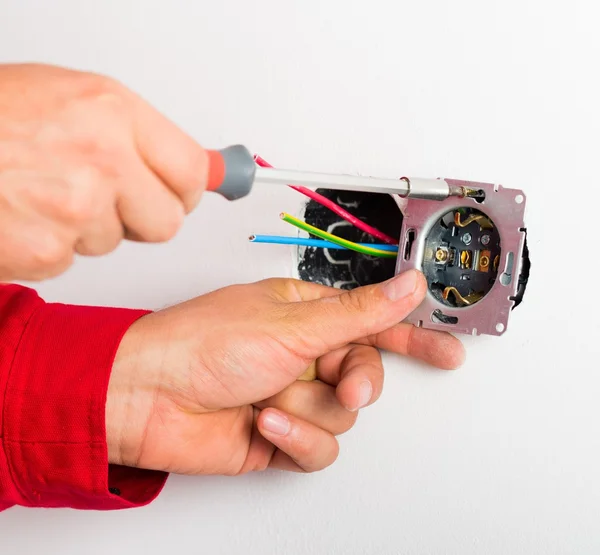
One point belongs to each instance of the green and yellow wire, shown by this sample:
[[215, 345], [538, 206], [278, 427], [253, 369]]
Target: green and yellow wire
[[334, 239]]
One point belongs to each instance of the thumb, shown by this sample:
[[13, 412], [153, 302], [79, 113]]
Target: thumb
[[331, 322]]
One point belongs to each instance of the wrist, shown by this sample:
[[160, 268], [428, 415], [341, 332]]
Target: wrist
[[129, 399]]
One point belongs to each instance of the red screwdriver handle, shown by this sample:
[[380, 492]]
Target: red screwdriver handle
[[231, 171]]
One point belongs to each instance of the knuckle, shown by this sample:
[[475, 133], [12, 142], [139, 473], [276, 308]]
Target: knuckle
[[81, 203], [99, 96], [50, 253], [94, 86], [169, 227], [108, 243], [275, 283], [290, 289], [103, 154], [355, 301]]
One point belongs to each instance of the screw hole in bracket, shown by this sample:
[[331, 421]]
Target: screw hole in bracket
[[499, 327], [519, 199], [480, 198], [411, 235]]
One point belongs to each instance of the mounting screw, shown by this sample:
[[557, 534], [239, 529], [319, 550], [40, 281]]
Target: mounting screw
[[485, 239], [466, 238]]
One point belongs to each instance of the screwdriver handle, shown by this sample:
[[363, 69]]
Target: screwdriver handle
[[231, 171]]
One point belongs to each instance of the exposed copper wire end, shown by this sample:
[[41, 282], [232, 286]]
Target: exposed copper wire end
[[474, 193], [466, 192]]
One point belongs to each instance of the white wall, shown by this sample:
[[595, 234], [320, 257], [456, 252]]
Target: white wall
[[500, 457]]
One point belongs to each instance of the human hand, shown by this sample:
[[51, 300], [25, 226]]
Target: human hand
[[210, 386], [83, 163]]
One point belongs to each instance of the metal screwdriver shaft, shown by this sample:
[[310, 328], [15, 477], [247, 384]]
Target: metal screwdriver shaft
[[232, 173], [270, 176]]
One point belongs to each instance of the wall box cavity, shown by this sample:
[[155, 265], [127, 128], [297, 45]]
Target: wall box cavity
[[473, 253], [347, 269]]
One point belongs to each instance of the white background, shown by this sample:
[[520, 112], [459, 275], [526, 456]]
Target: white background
[[500, 457]]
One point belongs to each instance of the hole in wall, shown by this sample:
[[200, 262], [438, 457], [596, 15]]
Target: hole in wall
[[347, 269]]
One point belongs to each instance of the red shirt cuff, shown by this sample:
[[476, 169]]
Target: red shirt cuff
[[53, 428]]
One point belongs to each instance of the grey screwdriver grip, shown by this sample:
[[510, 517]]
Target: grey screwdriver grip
[[240, 170]]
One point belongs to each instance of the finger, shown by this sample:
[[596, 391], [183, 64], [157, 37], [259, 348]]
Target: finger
[[439, 349], [303, 447], [313, 402], [150, 212], [172, 154], [102, 235], [316, 327], [436, 348], [40, 217], [361, 377], [88, 205], [33, 251], [357, 373]]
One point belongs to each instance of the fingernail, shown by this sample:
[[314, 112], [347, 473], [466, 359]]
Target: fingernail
[[365, 392], [400, 286], [276, 423]]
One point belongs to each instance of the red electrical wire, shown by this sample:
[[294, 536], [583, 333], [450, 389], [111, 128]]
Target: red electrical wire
[[336, 208]]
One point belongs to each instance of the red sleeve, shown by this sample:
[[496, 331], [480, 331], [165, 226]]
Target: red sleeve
[[55, 363]]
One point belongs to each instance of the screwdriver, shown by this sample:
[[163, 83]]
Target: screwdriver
[[233, 172]]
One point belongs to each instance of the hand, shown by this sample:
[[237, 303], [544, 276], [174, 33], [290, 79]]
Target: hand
[[210, 386], [83, 163]]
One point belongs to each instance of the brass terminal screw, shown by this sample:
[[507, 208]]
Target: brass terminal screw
[[441, 255]]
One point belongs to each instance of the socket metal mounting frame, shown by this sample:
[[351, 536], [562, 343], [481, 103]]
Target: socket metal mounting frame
[[489, 316]]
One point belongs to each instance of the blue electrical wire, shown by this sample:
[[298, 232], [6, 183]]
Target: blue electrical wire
[[319, 243]]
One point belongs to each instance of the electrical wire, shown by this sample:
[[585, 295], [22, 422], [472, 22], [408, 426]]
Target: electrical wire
[[334, 239], [317, 243], [470, 299], [484, 222], [336, 208]]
